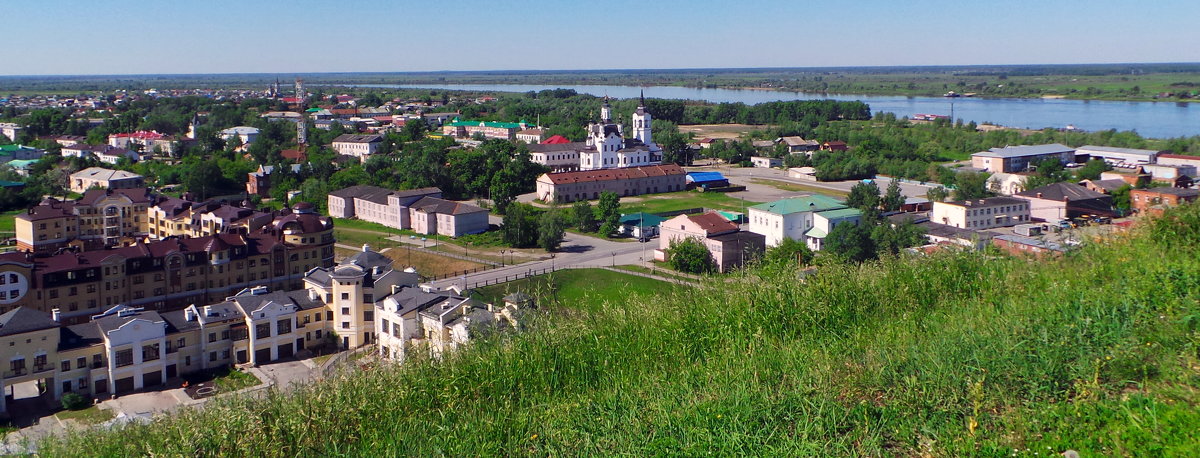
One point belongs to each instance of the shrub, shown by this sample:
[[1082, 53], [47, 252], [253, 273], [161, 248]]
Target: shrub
[[75, 401]]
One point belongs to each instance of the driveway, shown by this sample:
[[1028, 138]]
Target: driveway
[[288, 374]]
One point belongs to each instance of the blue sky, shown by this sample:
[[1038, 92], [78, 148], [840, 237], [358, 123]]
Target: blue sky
[[223, 36]]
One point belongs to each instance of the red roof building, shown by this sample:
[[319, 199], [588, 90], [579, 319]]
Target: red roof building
[[555, 140]]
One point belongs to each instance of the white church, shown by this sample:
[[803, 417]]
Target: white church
[[606, 146]]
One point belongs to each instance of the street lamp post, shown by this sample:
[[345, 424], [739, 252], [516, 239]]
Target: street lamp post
[[614, 259]]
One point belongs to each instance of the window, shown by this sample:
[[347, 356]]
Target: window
[[124, 357], [81, 363], [212, 356], [345, 310], [396, 329], [345, 296], [345, 325], [66, 365], [283, 326], [212, 337], [262, 330], [97, 361], [225, 354], [150, 352], [385, 326], [368, 315], [368, 298]]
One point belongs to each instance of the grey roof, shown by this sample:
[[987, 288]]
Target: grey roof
[[411, 299], [366, 192], [299, 298], [947, 231], [1109, 185], [1063, 191], [366, 259], [1111, 149], [24, 319], [1031, 242], [352, 138], [112, 322], [445, 207], [1025, 150], [1181, 192], [79, 336], [990, 201]]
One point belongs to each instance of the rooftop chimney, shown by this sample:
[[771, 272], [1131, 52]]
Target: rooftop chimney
[[189, 314], [366, 248], [55, 315], [1039, 195], [208, 310]]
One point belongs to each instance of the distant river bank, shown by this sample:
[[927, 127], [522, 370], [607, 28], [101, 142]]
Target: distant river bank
[[1151, 119]]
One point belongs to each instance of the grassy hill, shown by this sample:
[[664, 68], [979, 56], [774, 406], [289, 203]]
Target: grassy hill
[[950, 355]]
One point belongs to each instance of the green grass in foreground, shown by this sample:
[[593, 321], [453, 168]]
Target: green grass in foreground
[[949, 355], [575, 288], [235, 380], [89, 416]]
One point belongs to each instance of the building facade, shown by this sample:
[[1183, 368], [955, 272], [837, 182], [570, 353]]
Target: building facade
[[608, 148], [1012, 159], [420, 210], [729, 246], [565, 187], [360, 146], [1143, 199], [982, 213], [808, 219], [168, 274], [96, 177]]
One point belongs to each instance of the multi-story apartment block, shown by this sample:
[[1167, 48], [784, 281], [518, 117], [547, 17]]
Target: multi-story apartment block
[[351, 289], [112, 217], [171, 273], [982, 213], [421, 210]]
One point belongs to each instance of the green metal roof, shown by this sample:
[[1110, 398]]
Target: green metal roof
[[21, 164], [840, 213], [813, 203], [502, 125], [10, 184], [815, 233], [646, 219], [9, 149]]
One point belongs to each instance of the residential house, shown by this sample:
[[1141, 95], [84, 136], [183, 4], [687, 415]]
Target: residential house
[[1019, 158], [559, 157], [96, 177], [766, 162], [11, 130], [531, 136], [808, 219], [147, 142], [245, 134], [797, 145], [982, 213], [1059, 201], [1104, 186], [259, 181], [10, 153], [438, 322], [104, 153], [729, 246], [835, 145], [640, 225], [360, 146], [1134, 176], [1007, 184]]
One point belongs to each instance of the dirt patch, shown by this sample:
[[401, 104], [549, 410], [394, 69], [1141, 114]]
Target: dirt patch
[[725, 131], [429, 264]]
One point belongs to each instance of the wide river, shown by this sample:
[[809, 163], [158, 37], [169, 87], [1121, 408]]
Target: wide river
[[1151, 119]]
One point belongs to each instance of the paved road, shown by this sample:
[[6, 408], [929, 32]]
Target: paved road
[[576, 250], [743, 175]]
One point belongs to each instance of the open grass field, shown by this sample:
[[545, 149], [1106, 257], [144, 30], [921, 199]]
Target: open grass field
[[954, 354], [576, 288], [671, 201], [7, 223]]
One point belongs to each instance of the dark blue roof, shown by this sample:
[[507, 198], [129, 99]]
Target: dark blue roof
[[700, 177]]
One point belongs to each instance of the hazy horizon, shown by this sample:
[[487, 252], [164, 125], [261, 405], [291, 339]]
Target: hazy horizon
[[142, 37]]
